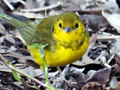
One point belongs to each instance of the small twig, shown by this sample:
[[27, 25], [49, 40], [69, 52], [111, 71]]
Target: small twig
[[102, 59], [63, 78], [111, 57], [9, 5], [46, 15], [106, 37], [106, 65], [3, 60], [43, 8], [17, 70], [102, 54], [30, 15]]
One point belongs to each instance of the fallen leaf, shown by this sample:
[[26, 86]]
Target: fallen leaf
[[101, 77], [116, 47], [93, 86], [110, 5], [10, 38], [113, 19], [117, 86]]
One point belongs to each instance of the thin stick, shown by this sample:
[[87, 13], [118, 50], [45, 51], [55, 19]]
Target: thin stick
[[9, 5], [46, 15], [43, 8], [17, 70], [105, 37]]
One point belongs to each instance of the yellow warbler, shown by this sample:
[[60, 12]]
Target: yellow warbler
[[65, 35]]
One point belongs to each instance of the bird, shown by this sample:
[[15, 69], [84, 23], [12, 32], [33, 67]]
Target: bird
[[65, 36]]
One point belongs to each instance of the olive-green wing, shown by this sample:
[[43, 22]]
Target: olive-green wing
[[44, 31], [27, 31]]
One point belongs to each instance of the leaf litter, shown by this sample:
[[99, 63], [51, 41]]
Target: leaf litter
[[99, 67]]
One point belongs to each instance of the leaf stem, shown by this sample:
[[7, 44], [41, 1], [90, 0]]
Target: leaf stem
[[17, 70]]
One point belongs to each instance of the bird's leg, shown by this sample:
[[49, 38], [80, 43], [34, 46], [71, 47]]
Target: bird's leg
[[62, 77], [64, 73]]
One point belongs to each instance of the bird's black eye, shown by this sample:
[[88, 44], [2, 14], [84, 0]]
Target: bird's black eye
[[60, 25], [76, 25]]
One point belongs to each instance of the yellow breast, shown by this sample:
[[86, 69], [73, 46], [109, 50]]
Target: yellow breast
[[62, 55]]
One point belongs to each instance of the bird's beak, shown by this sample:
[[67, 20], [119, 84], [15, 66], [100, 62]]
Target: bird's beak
[[67, 29]]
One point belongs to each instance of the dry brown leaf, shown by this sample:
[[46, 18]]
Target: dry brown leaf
[[117, 86], [31, 4], [110, 5], [116, 46], [113, 19], [117, 59], [19, 56], [94, 22], [10, 38], [4, 68], [93, 86], [85, 61], [74, 5], [102, 77]]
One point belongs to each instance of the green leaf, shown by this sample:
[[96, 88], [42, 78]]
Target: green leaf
[[35, 45], [40, 47], [5, 16], [7, 61], [43, 46], [16, 75]]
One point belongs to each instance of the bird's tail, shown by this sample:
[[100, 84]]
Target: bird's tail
[[25, 26]]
